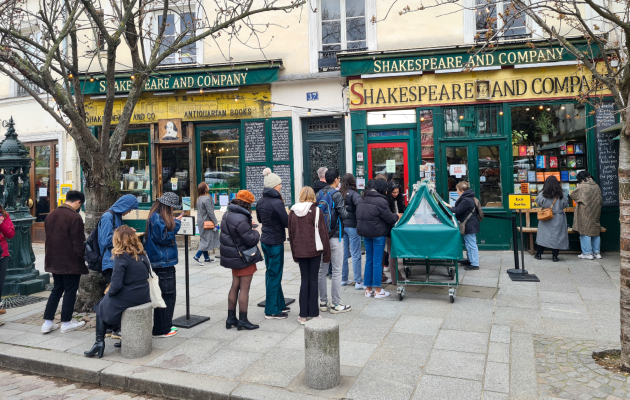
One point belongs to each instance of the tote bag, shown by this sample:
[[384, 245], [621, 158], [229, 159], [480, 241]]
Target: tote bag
[[318, 240], [154, 288]]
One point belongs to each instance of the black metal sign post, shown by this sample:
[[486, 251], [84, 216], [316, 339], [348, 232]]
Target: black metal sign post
[[188, 321], [520, 202]]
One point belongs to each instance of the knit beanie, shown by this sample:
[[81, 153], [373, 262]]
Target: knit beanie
[[246, 196], [271, 180]]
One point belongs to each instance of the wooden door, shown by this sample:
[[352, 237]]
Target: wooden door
[[43, 185]]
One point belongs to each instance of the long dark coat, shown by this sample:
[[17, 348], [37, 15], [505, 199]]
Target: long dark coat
[[208, 238], [553, 234], [129, 288], [588, 198]]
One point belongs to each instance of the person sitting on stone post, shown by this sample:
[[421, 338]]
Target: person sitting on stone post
[[129, 285], [7, 231]]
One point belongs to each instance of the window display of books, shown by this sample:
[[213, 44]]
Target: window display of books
[[134, 169]]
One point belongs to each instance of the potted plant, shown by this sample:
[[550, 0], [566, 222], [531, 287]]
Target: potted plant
[[545, 125]]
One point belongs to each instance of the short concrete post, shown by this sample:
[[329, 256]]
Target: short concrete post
[[323, 365], [136, 328]]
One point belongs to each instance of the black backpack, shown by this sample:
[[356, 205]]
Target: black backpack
[[93, 256]]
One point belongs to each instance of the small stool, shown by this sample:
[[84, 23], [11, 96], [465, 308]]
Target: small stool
[[323, 365], [137, 327]]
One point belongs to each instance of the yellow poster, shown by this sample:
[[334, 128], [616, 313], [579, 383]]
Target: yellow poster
[[247, 102], [520, 201]]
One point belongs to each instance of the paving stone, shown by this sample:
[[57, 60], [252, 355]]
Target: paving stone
[[472, 342], [500, 334], [405, 348], [456, 364], [356, 354], [497, 377], [187, 354], [278, 367], [257, 341], [225, 363], [368, 386], [445, 388], [500, 352]]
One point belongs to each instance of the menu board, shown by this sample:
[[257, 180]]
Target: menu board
[[280, 140], [607, 154], [255, 181], [255, 149], [284, 172]]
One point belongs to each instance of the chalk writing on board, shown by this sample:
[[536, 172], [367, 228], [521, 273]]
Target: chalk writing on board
[[607, 154], [255, 141], [254, 180], [280, 140], [284, 172]]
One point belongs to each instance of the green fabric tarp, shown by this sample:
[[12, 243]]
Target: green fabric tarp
[[419, 235]]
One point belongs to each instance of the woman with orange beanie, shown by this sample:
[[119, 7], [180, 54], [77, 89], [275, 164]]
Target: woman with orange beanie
[[238, 235]]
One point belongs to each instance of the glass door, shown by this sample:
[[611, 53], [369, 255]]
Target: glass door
[[390, 159], [43, 185], [173, 170]]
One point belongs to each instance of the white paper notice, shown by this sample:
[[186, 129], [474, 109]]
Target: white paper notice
[[458, 170], [390, 166], [123, 155], [174, 186], [360, 184], [134, 155], [187, 227], [360, 156], [43, 192], [224, 199]]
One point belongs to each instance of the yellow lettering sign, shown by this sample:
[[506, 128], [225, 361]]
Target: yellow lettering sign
[[520, 201]]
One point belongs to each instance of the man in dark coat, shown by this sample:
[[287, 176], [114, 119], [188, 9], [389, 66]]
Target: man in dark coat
[[321, 183], [464, 206], [65, 238], [271, 213]]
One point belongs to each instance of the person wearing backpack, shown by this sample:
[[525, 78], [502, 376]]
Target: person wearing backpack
[[65, 235], [351, 240], [465, 210], [333, 206]]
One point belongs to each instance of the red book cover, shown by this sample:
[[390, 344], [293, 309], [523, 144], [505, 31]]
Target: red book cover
[[522, 150], [553, 162], [569, 149]]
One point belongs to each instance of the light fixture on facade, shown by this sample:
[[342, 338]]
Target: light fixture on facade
[[384, 117], [201, 90], [70, 75], [500, 112], [532, 118], [461, 117], [133, 77], [236, 98], [562, 107], [527, 109], [273, 104], [346, 115], [91, 78], [540, 107], [421, 119], [548, 108], [309, 111]]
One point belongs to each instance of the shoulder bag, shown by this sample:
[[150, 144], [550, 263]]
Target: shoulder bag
[[462, 225], [247, 255], [546, 213], [318, 240], [154, 287], [208, 225]]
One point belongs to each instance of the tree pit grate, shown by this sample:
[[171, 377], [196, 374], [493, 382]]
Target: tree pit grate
[[20, 301]]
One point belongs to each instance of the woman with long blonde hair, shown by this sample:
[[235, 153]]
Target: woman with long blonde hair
[[129, 286]]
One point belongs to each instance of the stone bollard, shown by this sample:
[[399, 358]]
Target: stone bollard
[[136, 328], [323, 366]]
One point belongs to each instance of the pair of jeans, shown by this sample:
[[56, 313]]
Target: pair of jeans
[[374, 248], [274, 260], [472, 251], [205, 254], [163, 317], [66, 285], [590, 244], [309, 270], [336, 262], [4, 264], [351, 246], [541, 249]]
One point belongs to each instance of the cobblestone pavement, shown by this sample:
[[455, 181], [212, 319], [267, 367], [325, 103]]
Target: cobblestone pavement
[[17, 386]]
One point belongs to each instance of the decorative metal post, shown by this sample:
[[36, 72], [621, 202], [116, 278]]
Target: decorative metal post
[[15, 196]]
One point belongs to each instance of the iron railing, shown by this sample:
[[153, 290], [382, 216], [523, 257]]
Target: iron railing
[[328, 59]]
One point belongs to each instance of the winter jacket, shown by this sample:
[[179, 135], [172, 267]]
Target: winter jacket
[[65, 238], [129, 288], [8, 231], [237, 224], [463, 207], [396, 205], [338, 212], [108, 224], [588, 197], [374, 219], [271, 213], [159, 243], [352, 201], [318, 185], [553, 234], [208, 238], [302, 232]]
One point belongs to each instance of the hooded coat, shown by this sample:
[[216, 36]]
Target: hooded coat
[[271, 213], [318, 185], [159, 242], [302, 232], [109, 223], [465, 205], [237, 235], [374, 219]]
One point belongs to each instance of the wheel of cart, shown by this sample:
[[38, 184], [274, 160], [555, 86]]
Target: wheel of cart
[[434, 273]]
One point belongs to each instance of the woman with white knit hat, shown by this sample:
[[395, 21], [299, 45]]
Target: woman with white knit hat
[[271, 213]]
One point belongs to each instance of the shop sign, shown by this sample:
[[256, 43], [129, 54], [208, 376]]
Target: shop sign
[[460, 60], [520, 201], [456, 88], [252, 102], [187, 227], [170, 81]]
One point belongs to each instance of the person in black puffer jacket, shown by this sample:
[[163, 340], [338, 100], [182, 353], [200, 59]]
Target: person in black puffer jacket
[[273, 216], [374, 223], [351, 240], [397, 206], [465, 205], [238, 234]]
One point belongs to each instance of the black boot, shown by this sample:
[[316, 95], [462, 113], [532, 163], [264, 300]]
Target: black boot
[[538, 256], [243, 323], [118, 345], [99, 345], [555, 259], [231, 320]]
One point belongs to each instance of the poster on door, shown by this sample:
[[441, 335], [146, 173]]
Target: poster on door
[[458, 170], [390, 166]]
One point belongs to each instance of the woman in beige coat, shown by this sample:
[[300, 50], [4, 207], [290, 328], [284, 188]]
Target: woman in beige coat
[[588, 198]]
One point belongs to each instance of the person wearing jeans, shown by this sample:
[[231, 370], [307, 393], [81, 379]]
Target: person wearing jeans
[[374, 248], [472, 251], [588, 209], [464, 207], [351, 240]]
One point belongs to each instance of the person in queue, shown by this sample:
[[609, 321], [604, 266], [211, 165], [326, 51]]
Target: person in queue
[[552, 234], [320, 183], [396, 205], [465, 206], [161, 248], [309, 247], [208, 238], [588, 210], [129, 285], [238, 234], [7, 231], [351, 240]]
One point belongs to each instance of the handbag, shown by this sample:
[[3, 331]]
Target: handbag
[[318, 240], [154, 288], [546, 213], [208, 225], [247, 255]]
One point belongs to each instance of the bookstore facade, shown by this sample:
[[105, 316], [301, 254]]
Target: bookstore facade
[[503, 127]]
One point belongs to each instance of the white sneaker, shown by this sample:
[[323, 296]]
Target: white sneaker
[[586, 256], [49, 328], [388, 281], [598, 256], [386, 269], [340, 308], [370, 293], [359, 286], [381, 294], [323, 306], [71, 326]]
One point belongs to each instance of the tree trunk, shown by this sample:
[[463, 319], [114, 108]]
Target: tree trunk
[[624, 219]]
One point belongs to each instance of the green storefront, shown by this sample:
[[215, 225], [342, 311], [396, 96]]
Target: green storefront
[[503, 126]]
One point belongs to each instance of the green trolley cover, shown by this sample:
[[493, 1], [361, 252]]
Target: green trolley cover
[[427, 229]]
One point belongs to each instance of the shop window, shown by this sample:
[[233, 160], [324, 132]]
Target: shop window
[[176, 24], [456, 156], [427, 167], [175, 169], [465, 121], [31, 53], [489, 19], [359, 146], [391, 117], [548, 140], [323, 126], [490, 194], [135, 165], [220, 161]]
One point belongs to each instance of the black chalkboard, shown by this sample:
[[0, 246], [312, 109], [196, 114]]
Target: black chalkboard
[[607, 154], [255, 181], [255, 149], [284, 172], [280, 140]]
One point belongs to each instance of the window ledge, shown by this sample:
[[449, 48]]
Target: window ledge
[[315, 75]]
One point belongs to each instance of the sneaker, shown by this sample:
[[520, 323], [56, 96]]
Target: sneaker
[[370, 293], [344, 283], [386, 269], [49, 328], [323, 306], [381, 294], [171, 333], [340, 308], [471, 267], [598, 256], [277, 316], [301, 320], [286, 310], [173, 328], [210, 260], [198, 260], [587, 256], [359, 286], [388, 281], [72, 325]]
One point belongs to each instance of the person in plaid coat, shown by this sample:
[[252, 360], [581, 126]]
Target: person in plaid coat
[[588, 198]]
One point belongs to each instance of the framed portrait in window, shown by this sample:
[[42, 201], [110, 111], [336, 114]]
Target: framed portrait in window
[[170, 130]]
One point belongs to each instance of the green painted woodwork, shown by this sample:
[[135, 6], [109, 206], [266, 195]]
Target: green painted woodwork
[[336, 138]]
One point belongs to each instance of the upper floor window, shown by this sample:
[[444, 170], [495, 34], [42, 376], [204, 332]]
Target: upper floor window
[[343, 28], [35, 57], [492, 16], [176, 23]]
